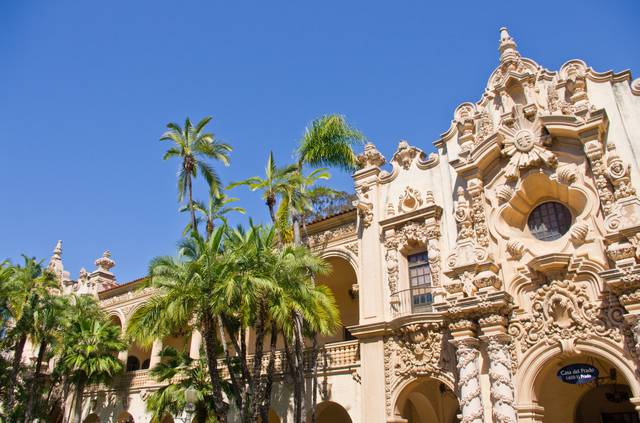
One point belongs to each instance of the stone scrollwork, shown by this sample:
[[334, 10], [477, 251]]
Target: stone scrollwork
[[339, 232], [413, 351], [619, 173], [563, 313]]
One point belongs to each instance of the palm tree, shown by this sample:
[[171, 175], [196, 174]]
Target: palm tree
[[329, 142], [185, 295], [274, 184], [88, 354], [217, 209], [28, 284], [193, 147], [191, 374], [49, 319]]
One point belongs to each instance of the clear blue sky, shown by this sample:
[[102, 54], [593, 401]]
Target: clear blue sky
[[86, 88]]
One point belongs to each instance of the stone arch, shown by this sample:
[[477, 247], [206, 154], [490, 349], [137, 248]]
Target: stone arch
[[92, 418], [343, 282], [332, 412], [537, 362], [425, 400], [345, 255]]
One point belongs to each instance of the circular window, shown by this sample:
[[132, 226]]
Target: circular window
[[549, 221]]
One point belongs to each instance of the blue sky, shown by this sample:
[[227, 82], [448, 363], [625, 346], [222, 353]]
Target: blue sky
[[87, 87]]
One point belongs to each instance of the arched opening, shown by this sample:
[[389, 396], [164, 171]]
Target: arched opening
[[602, 400], [116, 320], [133, 363], [341, 280], [167, 419], [142, 355], [332, 412], [125, 417], [92, 418], [427, 401]]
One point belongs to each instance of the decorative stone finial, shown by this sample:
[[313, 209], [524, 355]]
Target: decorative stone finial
[[58, 250], [55, 263], [105, 263], [508, 46], [371, 157]]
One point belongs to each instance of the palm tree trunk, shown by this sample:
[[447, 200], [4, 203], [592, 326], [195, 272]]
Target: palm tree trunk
[[298, 352], [15, 368], [34, 391], [257, 362], [270, 204], [235, 384], [77, 409], [194, 224], [268, 382], [314, 366], [219, 406]]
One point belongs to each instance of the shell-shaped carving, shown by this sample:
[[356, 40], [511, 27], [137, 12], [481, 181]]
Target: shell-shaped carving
[[567, 175], [579, 232], [504, 193], [515, 249]]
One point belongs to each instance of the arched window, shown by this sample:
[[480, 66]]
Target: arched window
[[145, 364], [133, 363], [549, 221]]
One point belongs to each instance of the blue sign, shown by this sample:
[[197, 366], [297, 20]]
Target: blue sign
[[578, 374]]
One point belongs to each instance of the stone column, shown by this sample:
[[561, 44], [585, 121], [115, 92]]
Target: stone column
[[502, 394], [467, 352], [194, 347], [123, 356], [155, 353], [497, 341]]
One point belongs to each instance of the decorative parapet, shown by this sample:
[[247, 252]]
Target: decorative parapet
[[332, 358]]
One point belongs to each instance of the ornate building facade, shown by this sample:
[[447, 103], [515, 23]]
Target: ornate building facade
[[471, 280]]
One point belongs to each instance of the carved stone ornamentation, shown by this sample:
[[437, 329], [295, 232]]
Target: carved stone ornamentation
[[502, 391], [515, 249], [353, 247], [371, 157], [563, 313], [567, 174], [579, 232], [105, 263], [410, 200], [405, 154], [467, 353], [619, 173], [414, 351], [525, 144], [593, 150], [321, 238], [504, 193]]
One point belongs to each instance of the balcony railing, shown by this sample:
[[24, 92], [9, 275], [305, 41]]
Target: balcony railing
[[417, 299], [334, 356]]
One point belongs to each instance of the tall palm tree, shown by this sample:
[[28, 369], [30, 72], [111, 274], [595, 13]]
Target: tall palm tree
[[88, 353], [274, 184], [193, 146], [217, 210], [185, 295], [29, 284], [328, 141], [49, 319]]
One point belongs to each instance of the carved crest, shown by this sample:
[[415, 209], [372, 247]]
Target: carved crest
[[562, 313], [525, 144]]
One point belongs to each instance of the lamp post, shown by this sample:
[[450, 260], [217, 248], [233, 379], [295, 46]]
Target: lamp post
[[191, 397]]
